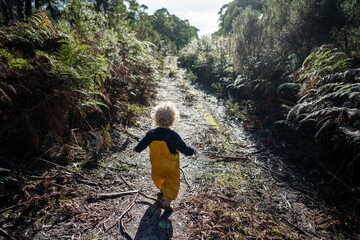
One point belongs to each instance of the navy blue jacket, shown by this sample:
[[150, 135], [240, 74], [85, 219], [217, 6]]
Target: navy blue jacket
[[173, 141]]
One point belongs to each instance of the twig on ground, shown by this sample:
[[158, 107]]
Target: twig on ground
[[123, 230], [258, 151], [111, 195], [142, 194], [186, 179], [342, 164], [130, 164], [19, 204], [112, 168], [347, 186], [105, 221], [126, 210], [69, 170], [56, 221], [311, 235], [267, 169], [37, 159], [118, 194], [284, 197], [5, 234], [214, 156], [126, 182]]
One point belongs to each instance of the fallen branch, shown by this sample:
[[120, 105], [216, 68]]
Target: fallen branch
[[288, 203], [110, 195], [126, 210], [105, 221], [142, 194], [186, 179], [126, 182], [37, 159], [334, 176], [112, 168], [19, 204], [311, 235], [104, 196], [214, 156], [69, 170], [5, 234], [123, 230]]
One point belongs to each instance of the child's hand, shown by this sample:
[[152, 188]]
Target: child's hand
[[134, 150], [195, 152]]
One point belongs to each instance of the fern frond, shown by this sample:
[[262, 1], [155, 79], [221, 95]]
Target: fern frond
[[5, 54], [4, 170], [352, 135], [324, 124], [322, 113], [7, 179]]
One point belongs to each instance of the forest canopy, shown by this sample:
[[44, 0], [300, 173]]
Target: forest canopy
[[165, 30]]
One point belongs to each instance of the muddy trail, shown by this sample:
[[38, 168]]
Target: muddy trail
[[234, 188]]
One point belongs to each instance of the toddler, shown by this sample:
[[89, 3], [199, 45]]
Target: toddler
[[165, 145]]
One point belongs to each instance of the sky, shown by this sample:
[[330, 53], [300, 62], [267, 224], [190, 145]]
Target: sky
[[201, 14]]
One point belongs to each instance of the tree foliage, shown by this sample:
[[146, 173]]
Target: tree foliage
[[268, 41], [166, 31], [62, 84], [209, 59], [229, 12]]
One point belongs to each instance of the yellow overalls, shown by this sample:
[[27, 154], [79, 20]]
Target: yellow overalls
[[165, 169]]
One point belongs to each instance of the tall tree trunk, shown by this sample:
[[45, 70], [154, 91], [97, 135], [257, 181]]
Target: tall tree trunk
[[28, 8], [5, 11], [20, 4], [53, 15], [37, 4], [105, 6], [98, 5], [10, 10]]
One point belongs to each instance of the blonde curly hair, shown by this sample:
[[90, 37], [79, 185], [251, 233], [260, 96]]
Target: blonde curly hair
[[165, 115]]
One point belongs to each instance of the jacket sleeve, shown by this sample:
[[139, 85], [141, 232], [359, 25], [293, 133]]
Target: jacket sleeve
[[144, 143], [182, 146]]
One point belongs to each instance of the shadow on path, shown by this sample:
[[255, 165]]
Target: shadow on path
[[154, 225]]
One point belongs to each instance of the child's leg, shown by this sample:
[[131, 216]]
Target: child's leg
[[156, 175], [171, 185]]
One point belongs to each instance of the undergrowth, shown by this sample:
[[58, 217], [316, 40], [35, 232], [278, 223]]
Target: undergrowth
[[329, 106], [243, 204], [231, 211], [61, 89]]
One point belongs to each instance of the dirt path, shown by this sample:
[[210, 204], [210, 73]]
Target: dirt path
[[200, 125], [263, 195]]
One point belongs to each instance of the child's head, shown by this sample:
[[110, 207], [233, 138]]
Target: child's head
[[166, 114]]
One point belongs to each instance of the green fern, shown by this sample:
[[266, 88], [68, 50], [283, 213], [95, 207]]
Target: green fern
[[329, 101], [6, 55], [4, 178], [19, 64], [326, 60], [14, 63]]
